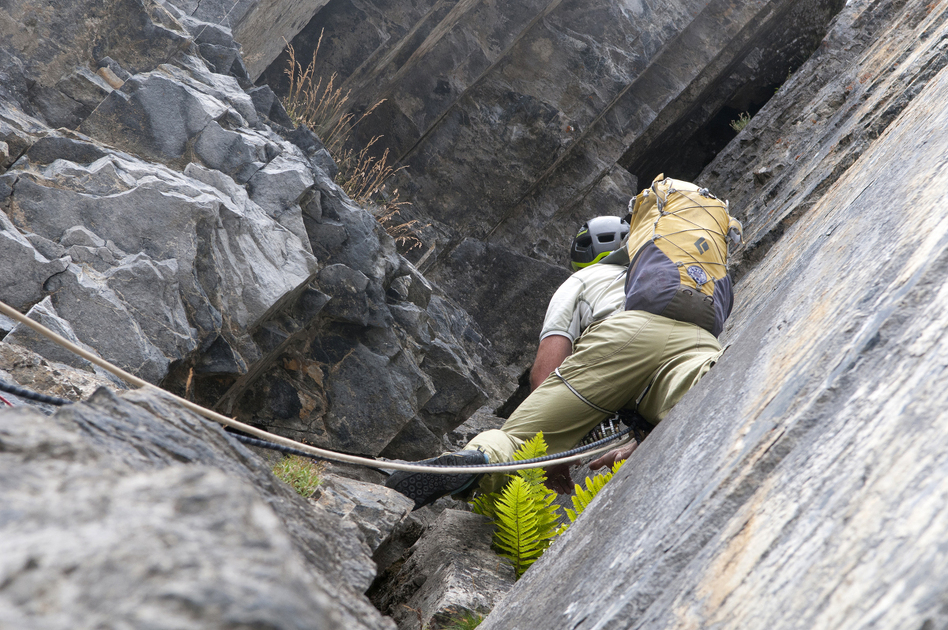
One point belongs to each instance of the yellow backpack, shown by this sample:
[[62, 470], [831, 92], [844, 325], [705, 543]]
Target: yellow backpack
[[678, 240]]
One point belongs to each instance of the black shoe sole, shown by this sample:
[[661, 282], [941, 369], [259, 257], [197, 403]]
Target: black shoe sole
[[424, 488]]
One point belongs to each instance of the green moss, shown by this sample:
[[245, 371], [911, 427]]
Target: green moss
[[299, 472]]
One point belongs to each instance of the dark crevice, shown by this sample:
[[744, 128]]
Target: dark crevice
[[701, 131], [523, 390]]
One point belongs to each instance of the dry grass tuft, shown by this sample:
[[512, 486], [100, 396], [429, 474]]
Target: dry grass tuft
[[324, 108]]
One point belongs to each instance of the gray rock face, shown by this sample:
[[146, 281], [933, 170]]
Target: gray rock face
[[449, 571], [175, 278], [178, 226], [507, 293], [44, 313], [518, 124], [172, 524], [373, 509], [174, 233], [796, 485], [22, 366]]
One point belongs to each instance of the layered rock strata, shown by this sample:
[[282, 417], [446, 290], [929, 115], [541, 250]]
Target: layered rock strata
[[518, 122]]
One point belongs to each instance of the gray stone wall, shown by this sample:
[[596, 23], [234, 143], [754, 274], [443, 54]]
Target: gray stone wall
[[517, 122]]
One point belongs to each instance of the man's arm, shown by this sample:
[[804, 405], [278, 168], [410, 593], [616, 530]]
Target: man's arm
[[552, 351]]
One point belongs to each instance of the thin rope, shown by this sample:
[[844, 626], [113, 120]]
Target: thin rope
[[264, 435], [31, 395]]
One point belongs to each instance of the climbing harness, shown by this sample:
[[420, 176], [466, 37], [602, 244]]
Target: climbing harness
[[638, 426], [307, 450]]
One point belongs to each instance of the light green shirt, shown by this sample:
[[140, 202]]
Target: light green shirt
[[586, 297]]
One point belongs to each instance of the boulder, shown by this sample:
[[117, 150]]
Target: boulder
[[449, 571], [160, 519]]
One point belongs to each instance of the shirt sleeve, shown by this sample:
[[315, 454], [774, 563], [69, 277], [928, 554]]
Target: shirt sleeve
[[564, 314]]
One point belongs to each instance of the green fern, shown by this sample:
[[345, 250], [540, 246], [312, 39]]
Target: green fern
[[531, 449], [584, 496], [523, 512], [484, 505], [526, 523]]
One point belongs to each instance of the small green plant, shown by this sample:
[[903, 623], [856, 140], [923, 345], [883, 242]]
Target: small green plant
[[741, 122], [523, 511], [299, 472], [583, 496], [465, 620]]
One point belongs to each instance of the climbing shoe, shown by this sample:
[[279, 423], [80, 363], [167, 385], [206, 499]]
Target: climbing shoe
[[427, 487]]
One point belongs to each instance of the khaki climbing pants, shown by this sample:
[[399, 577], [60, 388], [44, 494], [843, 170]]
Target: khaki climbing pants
[[612, 364]]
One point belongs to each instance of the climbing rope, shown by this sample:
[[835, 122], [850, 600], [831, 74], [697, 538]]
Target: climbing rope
[[306, 449], [30, 395]]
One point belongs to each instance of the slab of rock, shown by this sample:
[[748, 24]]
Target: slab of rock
[[449, 571], [133, 511], [373, 508]]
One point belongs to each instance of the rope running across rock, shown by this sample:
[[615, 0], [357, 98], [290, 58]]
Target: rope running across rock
[[307, 450]]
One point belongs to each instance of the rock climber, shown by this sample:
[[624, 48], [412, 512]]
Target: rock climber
[[601, 349]]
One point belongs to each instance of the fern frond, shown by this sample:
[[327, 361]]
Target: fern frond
[[485, 505], [516, 536], [583, 496], [531, 449]]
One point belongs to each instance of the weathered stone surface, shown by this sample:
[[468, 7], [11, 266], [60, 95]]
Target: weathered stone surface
[[152, 509], [460, 79], [58, 48], [45, 314], [373, 508], [279, 187], [873, 63], [25, 287], [800, 483], [355, 370], [137, 117], [23, 367], [174, 278], [499, 283], [237, 154], [450, 570]]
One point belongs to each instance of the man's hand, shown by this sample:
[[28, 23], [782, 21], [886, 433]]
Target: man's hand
[[558, 479], [613, 456]]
